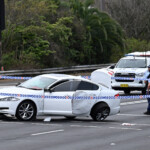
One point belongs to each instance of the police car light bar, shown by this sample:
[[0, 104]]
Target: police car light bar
[[139, 54]]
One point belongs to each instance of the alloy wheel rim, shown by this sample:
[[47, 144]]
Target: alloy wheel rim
[[102, 115], [26, 111]]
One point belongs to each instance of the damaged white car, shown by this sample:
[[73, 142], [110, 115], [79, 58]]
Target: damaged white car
[[61, 95]]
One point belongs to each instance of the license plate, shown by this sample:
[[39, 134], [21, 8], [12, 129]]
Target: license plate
[[124, 85]]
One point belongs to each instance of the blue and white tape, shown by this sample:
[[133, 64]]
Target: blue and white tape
[[72, 97], [124, 78], [27, 78], [86, 77], [14, 77]]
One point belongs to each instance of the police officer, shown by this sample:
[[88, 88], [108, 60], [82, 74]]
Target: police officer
[[147, 76]]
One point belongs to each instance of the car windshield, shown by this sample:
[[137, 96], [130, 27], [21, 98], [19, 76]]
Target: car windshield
[[131, 63], [37, 83]]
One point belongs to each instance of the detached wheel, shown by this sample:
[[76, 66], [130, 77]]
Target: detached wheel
[[127, 91], [70, 117], [26, 111], [100, 112]]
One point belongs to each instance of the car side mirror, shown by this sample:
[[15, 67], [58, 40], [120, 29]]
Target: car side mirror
[[112, 67], [51, 90], [18, 83]]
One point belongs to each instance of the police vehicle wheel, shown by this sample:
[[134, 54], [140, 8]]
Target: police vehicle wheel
[[127, 91], [26, 111], [100, 112]]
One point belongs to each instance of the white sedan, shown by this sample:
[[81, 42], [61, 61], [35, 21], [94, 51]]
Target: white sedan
[[56, 94]]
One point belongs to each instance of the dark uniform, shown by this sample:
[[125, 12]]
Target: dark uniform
[[148, 92]]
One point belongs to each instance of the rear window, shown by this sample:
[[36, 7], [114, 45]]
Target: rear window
[[87, 86]]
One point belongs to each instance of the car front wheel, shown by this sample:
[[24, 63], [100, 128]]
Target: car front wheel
[[100, 112], [26, 111]]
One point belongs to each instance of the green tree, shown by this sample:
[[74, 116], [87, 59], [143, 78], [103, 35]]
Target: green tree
[[102, 32], [51, 33]]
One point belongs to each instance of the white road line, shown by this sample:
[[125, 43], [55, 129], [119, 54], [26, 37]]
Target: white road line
[[84, 126], [77, 121], [134, 102], [43, 124], [143, 125], [136, 124], [134, 115], [10, 122], [125, 128], [42, 133]]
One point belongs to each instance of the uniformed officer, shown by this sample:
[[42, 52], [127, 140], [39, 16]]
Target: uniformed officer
[[147, 76]]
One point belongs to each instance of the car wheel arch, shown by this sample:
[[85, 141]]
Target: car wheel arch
[[27, 100], [99, 103]]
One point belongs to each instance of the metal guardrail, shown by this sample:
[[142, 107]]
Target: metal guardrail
[[71, 69]]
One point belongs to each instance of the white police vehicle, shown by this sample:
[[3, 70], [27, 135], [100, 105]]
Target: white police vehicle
[[133, 65]]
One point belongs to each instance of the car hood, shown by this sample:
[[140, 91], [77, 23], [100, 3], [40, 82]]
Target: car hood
[[130, 70], [18, 91]]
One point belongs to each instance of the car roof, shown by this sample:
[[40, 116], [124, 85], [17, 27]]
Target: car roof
[[135, 57], [63, 76]]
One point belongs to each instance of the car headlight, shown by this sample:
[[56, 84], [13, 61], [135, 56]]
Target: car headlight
[[140, 74], [9, 99]]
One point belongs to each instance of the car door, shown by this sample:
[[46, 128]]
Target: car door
[[59, 99], [84, 98]]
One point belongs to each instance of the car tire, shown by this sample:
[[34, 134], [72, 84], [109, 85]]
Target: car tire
[[26, 111], [127, 91], [100, 112], [70, 117]]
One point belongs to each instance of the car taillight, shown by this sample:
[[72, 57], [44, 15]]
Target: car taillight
[[117, 95]]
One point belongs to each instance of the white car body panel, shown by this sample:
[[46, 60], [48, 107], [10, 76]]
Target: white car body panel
[[102, 76], [13, 105], [58, 106]]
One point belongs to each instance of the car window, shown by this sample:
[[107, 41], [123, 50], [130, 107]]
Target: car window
[[87, 86], [39, 82], [58, 83], [67, 86]]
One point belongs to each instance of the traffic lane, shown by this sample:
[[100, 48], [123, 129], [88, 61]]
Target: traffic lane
[[82, 133], [80, 138]]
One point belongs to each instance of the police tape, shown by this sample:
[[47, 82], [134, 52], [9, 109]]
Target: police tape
[[27, 78], [72, 97], [85, 77], [125, 78], [15, 77]]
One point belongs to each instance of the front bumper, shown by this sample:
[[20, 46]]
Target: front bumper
[[8, 108], [136, 85]]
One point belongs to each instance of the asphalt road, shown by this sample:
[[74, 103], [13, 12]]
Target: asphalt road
[[129, 130]]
